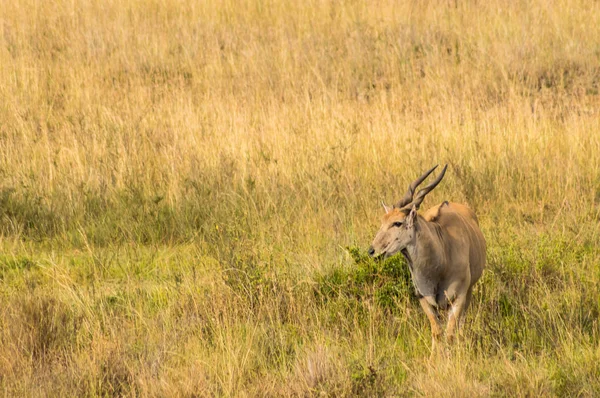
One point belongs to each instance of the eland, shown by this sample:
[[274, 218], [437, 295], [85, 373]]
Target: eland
[[444, 248]]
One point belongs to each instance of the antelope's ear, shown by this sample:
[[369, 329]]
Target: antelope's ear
[[410, 218], [387, 209]]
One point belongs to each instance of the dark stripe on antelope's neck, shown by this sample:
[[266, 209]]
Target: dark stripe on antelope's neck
[[408, 259]]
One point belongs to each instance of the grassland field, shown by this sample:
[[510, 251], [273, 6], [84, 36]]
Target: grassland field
[[188, 190]]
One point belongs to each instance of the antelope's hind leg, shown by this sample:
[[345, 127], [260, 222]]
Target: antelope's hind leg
[[461, 321], [457, 314]]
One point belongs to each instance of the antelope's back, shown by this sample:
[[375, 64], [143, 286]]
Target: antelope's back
[[461, 222]]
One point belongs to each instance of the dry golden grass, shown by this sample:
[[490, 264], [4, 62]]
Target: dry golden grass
[[179, 181]]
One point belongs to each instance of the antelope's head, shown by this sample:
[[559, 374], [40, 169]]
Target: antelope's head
[[399, 223]]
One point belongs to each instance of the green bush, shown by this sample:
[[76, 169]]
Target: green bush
[[388, 281]]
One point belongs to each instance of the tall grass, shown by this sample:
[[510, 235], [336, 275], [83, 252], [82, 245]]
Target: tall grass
[[180, 181]]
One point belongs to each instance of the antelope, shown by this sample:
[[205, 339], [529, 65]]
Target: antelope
[[444, 248]]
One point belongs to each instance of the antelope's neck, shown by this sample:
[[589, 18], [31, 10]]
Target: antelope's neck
[[426, 259], [427, 253]]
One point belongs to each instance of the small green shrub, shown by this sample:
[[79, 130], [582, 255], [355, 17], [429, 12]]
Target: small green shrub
[[387, 280]]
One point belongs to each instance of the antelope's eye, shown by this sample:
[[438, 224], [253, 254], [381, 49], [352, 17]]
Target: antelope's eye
[[397, 224]]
